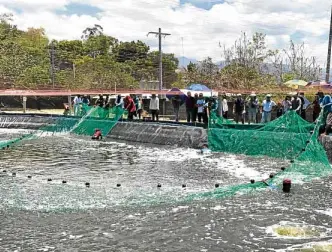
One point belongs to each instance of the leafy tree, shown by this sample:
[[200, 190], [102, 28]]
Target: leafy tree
[[92, 31]]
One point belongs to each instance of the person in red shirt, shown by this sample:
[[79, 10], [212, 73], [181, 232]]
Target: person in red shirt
[[130, 107]]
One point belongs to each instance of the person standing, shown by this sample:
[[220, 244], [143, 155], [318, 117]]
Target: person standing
[[100, 102], [224, 107], [239, 109], [296, 104], [77, 104], [139, 107], [119, 102], [190, 105], [195, 110], [252, 108], [316, 108], [286, 104], [107, 107], [154, 107], [176, 102], [267, 107], [130, 107], [200, 107]]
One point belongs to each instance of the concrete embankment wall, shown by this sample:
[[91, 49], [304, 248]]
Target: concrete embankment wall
[[143, 132], [182, 136]]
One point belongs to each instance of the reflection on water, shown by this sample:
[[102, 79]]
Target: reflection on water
[[41, 215]]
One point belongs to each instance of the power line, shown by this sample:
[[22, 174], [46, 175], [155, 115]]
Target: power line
[[159, 34]]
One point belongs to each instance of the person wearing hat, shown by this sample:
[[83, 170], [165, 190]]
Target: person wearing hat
[[267, 107], [252, 108], [239, 109]]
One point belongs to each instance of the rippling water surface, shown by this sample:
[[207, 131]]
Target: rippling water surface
[[41, 215]]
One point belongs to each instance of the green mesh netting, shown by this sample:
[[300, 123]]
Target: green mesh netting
[[97, 117], [289, 137], [92, 118], [282, 138]]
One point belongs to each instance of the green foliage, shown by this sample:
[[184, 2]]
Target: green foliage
[[96, 61]]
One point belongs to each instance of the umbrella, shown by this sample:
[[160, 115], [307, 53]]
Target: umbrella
[[296, 83], [198, 87], [182, 95]]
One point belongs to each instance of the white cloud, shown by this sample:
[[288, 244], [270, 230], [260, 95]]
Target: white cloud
[[201, 29]]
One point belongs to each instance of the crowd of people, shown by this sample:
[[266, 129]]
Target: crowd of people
[[198, 108]]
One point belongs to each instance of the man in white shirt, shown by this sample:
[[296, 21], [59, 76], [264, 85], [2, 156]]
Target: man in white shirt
[[224, 107], [267, 107], [77, 103], [154, 107]]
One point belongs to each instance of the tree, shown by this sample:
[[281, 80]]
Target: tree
[[92, 31]]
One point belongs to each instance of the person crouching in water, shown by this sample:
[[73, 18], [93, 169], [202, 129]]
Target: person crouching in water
[[97, 135], [130, 107]]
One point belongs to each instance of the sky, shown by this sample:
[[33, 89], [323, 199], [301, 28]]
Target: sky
[[196, 26]]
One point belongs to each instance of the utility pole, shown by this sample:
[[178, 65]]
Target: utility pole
[[327, 78], [159, 34], [53, 63]]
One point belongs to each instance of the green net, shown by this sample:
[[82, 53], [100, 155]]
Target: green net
[[289, 137], [282, 138], [91, 118]]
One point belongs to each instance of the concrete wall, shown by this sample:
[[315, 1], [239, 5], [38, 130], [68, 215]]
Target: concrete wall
[[184, 136], [144, 132]]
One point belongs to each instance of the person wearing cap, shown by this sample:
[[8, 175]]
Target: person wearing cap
[[267, 107], [239, 109], [252, 108]]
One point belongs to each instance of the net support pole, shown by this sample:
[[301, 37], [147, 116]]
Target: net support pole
[[24, 104], [69, 102]]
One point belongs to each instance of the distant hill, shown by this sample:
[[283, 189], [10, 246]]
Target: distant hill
[[184, 61]]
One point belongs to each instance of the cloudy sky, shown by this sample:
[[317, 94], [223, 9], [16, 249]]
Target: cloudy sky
[[200, 24]]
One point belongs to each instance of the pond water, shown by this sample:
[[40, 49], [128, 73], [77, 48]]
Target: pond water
[[41, 215]]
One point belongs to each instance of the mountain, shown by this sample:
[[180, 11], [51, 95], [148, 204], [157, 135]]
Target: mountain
[[184, 61]]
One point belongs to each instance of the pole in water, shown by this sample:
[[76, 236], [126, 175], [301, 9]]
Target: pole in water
[[286, 185]]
